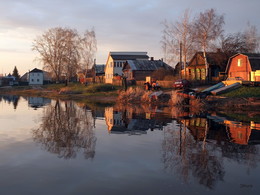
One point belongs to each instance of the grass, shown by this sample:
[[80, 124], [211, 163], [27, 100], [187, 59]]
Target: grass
[[243, 92]]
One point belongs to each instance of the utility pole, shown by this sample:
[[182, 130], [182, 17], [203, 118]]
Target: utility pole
[[180, 59]]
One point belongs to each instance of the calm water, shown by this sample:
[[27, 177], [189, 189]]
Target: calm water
[[56, 147]]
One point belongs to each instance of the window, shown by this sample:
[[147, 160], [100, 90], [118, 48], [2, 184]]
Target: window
[[32, 80], [38, 80], [114, 64], [239, 62]]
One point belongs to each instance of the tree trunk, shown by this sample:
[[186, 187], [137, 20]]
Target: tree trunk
[[206, 65]]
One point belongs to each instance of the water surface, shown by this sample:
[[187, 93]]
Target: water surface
[[56, 147]]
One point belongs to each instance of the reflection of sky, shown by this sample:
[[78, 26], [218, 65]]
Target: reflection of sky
[[15, 124]]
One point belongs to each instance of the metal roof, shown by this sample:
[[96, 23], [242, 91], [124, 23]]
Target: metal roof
[[129, 57], [147, 65]]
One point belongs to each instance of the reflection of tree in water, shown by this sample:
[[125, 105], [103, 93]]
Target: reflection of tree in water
[[10, 99], [65, 130], [182, 154]]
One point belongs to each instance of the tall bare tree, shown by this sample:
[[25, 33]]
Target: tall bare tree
[[176, 34], [208, 26], [88, 48]]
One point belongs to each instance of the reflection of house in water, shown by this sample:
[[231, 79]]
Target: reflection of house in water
[[132, 123], [37, 102], [220, 129], [243, 133]]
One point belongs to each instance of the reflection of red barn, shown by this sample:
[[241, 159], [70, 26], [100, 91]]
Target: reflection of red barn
[[246, 66], [239, 133]]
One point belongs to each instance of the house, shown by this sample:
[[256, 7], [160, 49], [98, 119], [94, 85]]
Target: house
[[38, 77], [116, 60], [196, 69], [98, 73], [8, 80], [138, 70], [244, 65]]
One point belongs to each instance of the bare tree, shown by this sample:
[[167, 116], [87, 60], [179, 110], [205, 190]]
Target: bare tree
[[208, 26], [175, 34], [241, 42], [62, 49], [252, 38], [233, 43], [88, 48]]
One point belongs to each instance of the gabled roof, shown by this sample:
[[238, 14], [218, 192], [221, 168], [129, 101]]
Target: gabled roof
[[36, 70], [214, 58], [147, 65], [254, 59]]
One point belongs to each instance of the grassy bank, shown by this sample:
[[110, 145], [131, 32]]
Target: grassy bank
[[243, 92], [74, 91]]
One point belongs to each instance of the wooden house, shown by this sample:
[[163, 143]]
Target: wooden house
[[196, 69], [116, 60], [246, 66], [138, 70]]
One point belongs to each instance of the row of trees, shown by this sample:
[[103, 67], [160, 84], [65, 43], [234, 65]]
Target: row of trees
[[64, 52], [180, 39]]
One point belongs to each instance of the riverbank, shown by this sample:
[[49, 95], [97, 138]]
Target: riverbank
[[100, 93], [243, 100]]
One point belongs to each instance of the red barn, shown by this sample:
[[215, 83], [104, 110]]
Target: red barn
[[246, 66]]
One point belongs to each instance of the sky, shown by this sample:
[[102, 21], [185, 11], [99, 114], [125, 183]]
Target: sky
[[120, 25]]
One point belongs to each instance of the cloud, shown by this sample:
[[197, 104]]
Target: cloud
[[119, 25]]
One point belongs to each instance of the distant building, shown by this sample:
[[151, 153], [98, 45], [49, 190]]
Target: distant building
[[98, 73], [8, 80], [116, 60], [246, 66]]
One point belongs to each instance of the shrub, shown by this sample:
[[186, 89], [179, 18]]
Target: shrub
[[134, 94], [176, 99]]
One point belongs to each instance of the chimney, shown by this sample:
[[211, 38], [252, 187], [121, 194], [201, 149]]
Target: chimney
[[152, 59]]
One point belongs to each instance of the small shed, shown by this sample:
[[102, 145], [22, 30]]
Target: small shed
[[244, 65]]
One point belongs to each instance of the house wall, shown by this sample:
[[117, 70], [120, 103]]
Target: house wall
[[141, 75], [196, 69], [113, 67], [239, 67], [255, 75], [35, 78]]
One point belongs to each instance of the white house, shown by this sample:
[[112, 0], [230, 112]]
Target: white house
[[116, 60], [36, 77]]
